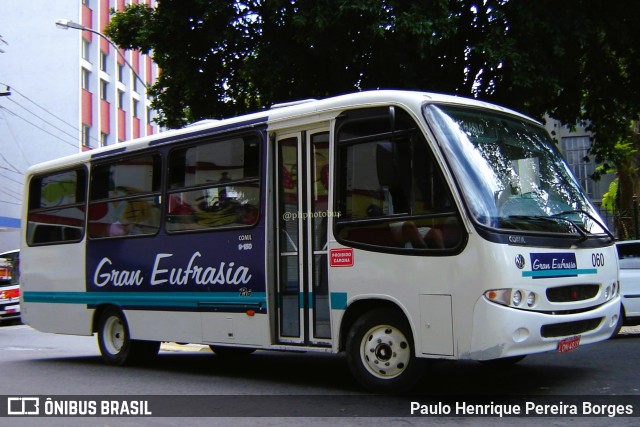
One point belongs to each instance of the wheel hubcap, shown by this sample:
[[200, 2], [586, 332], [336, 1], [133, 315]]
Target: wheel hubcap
[[385, 351], [114, 335]]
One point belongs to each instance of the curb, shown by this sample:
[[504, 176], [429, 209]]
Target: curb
[[630, 330], [175, 347]]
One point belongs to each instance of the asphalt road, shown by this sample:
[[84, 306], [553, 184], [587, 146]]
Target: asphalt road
[[272, 388]]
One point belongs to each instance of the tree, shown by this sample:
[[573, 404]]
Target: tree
[[575, 60], [220, 58], [580, 64], [198, 45]]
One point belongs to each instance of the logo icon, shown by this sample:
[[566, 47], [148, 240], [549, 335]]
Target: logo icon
[[520, 261], [23, 406]]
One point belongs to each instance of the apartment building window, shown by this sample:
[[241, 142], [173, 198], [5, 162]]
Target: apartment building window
[[120, 100], [135, 107], [86, 136], [575, 150], [103, 60], [104, 89], [120, 72], [85, 78], [86, 46], [104, 139]]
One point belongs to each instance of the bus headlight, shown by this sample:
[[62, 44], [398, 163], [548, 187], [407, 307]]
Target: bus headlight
[[612, 291], [512, 297], [516, 298], [531, 299]]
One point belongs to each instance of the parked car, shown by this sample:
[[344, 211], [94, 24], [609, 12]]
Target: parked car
[[629, 263], [9, 286]]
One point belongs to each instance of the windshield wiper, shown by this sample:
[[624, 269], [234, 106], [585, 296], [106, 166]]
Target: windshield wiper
[[588, 215], [553, 219]]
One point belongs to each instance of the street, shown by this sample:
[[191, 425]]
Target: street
[[34, 363]]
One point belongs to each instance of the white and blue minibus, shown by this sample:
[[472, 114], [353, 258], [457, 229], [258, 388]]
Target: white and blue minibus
[[394, 226]]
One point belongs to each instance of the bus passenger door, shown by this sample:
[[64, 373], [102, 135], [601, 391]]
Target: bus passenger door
[[302, 183]]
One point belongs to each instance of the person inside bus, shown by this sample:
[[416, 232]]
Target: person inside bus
[[410, 235]]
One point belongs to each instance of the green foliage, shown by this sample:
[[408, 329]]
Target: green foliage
[[132, 28], [609, 198], [577, 60]]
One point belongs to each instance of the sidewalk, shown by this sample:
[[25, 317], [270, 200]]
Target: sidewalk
[[175, 347], [630, 330]]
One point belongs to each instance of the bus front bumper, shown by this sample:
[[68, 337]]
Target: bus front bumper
[[500, 331]]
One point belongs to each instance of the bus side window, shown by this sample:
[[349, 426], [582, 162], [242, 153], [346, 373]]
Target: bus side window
[[214, 184], [56, 208], [391, 193], [125, 197]]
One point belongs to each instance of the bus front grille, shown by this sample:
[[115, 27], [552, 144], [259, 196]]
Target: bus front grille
[[570, 328], [572, 293]]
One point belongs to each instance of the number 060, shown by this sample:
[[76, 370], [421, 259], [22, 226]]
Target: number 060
[[597, 260]]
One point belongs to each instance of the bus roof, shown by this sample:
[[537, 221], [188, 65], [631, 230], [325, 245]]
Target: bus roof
[[278, 113]]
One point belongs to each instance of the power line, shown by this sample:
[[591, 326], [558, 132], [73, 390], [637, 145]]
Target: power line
[[40, 107], [74, 137], [15, 195], [18, 145], [13, 168], [38, 127], [10, 179], [73, 127]]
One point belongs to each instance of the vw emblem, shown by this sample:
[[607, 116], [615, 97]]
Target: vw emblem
[[520, 262]]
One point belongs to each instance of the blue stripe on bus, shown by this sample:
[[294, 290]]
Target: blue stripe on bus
[[108, 153], [210, 131], [559, 273], [338, 300], [191, 300], [150, 299]]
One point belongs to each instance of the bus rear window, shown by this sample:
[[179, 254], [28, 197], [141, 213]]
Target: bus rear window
[[56, 207]]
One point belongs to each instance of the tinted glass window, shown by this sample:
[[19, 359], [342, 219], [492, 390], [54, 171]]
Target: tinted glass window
[[214, 184], [125, 197], [56, 207], [390, 190]]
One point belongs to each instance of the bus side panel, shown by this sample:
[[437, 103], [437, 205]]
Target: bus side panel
[[193, 287], [53, 283], [244, 329], [375, 276], [173, 326], [436, 324]]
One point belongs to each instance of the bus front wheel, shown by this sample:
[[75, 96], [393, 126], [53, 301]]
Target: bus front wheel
[[381, 354], [116, 346]]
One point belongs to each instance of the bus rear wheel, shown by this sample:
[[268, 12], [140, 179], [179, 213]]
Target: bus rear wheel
[[116, 346], [381, 354]]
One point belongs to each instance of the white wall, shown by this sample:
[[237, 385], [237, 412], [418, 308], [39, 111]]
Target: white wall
[[39, 121]]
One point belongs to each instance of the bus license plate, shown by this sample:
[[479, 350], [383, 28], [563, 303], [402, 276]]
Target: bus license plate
[[568, 344]]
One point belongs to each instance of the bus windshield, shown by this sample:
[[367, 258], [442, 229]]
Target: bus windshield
[[511, 174]]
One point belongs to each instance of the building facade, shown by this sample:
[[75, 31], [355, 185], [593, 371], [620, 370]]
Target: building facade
[[574, 143], [63, 91]]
